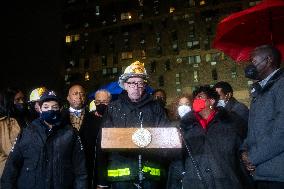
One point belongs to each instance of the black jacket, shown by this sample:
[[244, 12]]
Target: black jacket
[[88, 133], [123, 113], [215, 151], [43, 159], [237, 107]]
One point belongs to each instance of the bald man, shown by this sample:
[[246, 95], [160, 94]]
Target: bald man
[[85, 123]]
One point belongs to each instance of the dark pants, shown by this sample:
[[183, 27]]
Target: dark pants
[[269, 185], [131, 185]]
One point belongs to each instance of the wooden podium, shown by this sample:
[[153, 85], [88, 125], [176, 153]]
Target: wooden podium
[[124, 138]]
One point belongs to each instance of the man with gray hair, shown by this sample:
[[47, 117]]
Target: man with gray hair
[[100, 103]]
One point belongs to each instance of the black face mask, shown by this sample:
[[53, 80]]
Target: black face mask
[[161, 101], [251, 72], [101, 108], [20, 108], [52, 117]]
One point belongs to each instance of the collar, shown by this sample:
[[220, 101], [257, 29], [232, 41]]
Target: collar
[[263, 82], [74, 110], [203, 121]]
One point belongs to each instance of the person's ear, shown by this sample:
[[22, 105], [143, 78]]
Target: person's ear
[[125, 86], [269, 61], [68, 98], [228, 95]]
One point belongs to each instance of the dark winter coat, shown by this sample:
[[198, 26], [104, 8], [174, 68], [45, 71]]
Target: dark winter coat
[[265, 139], [215, 151], [123, 113], [237, 107], [42, 159], [88, 133]]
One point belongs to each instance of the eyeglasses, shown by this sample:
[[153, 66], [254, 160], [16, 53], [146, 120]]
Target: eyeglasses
[[97, 102], [138, 84]]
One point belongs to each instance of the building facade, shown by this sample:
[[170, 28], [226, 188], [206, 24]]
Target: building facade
[[173, 38]]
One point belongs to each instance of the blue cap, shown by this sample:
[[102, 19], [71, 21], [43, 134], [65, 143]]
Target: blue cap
[[48, 96]]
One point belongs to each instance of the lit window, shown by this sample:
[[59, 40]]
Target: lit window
[[208, 57], [202, 2], [172, 9], [125, 16], [198, 59], [194, 59], [97, 10], [195, 76], [72, 38], [126, 55], [114, 70], [193, 44], [104, 71], [76, 37], [87, 76], [68, 39]]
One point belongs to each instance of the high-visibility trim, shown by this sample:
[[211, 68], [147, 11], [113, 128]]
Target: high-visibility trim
[[126, 172], [153, 171], [118, 172]]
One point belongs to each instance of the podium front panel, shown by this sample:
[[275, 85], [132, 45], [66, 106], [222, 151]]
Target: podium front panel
[[121, 138]]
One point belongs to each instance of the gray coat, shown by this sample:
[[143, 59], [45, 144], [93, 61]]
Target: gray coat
[[265, 138], [237, 107]]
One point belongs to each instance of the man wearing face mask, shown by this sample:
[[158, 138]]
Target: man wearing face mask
[[98, 108], [227, 101], [99, 105], [263, 149], [47, 154], [86, 124]]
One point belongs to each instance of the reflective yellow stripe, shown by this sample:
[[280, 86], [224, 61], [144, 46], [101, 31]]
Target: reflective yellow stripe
[[118, 172], [153, 171]]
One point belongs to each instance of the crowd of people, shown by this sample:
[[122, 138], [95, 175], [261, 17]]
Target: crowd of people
[[46, 144]]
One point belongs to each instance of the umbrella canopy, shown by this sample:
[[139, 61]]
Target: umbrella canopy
[[238, 34], [115, 90]]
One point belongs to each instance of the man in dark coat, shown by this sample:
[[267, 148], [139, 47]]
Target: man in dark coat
[[225, 91], [264, 146], [133, 108], [48, 154], [87, 124]]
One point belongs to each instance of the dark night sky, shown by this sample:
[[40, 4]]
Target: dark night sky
[[32, 43]]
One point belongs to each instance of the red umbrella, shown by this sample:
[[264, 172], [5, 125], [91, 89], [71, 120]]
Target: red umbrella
[[238, 34]]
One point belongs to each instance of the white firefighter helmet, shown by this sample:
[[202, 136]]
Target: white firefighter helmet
[[36, 94]]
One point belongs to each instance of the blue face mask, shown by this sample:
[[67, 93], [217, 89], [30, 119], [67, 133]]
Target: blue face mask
[[52, 117]]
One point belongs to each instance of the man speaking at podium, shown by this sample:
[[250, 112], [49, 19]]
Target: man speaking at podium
[[133, 108]]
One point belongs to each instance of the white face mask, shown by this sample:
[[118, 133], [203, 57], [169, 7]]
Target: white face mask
[[221, 103], [183, 109]]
